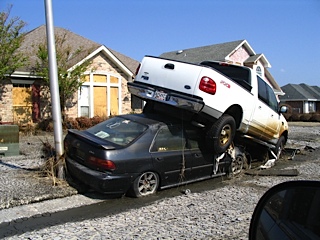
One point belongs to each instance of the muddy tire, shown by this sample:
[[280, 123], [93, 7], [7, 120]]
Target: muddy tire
[[221, 134], [279, 147], [236, 166], [144, 185]]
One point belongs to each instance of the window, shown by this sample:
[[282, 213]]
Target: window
[[266, 94], [100, 95], [240, 75], [118, 130], [169, 139], [312, 107], [84, 101], [258, 71]]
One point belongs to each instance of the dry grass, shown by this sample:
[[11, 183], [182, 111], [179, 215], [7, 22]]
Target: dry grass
[[52, 168]]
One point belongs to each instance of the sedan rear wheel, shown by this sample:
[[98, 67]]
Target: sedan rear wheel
[[144, 185], [280, 146]]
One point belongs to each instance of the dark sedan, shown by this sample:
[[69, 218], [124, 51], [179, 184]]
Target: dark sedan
[[138, 154]]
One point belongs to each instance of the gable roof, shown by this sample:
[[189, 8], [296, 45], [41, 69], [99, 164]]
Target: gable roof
[[216, 52], [37, 36], [300, 92]]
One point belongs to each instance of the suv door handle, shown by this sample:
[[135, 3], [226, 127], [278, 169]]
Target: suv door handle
[[169, 66]]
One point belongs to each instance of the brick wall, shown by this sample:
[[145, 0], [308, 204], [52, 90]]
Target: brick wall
[[6, 112], [296, 106], [239, 56]]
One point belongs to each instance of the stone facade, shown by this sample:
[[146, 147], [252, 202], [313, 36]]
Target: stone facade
[[6, 113], [101, 65]]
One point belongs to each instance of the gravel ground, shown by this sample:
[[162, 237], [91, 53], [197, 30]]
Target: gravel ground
[[21, 183], [221, 213]]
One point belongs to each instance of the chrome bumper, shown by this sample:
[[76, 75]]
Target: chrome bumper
[[179, 100]]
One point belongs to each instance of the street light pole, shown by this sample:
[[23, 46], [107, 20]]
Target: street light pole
[[54, 87]]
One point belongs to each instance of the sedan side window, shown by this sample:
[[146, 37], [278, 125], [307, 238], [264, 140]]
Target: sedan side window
[[169, 139]]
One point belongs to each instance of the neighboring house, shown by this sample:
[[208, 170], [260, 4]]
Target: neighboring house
[[301, 98], [24, 100], [236, 52]]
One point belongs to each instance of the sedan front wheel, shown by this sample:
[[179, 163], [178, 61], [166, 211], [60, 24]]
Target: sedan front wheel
[[144, 185]]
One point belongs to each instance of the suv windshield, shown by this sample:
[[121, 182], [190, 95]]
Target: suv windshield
[[118, 130]]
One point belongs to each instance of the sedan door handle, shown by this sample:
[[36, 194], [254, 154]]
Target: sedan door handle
[[159, 159]]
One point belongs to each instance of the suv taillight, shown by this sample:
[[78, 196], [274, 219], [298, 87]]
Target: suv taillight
[[208, 85]]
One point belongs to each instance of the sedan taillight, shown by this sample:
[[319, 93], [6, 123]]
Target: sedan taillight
[[208, 85], [102, 163]]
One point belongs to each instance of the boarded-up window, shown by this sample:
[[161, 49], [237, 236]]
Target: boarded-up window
[[22, 103], [100, 78], [114, 101], [100, 101]]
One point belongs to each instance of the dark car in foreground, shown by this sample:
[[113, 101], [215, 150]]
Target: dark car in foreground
[[137, 154]]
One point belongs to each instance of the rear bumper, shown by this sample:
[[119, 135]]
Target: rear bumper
[[147, 92], [100, 181]]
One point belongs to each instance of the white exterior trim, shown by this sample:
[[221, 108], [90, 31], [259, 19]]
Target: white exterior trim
[[110, 55], [91, 84]]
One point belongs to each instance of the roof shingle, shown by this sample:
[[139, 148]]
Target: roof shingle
[[300, 92], [216, 52], [37, 36]]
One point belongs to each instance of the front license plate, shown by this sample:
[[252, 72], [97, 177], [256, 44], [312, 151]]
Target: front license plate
[[160, 96]]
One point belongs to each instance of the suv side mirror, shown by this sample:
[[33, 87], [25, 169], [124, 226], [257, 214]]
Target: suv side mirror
[[283, 109], [289, 210]]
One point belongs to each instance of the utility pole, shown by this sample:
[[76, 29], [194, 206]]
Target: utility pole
[[54, 88]]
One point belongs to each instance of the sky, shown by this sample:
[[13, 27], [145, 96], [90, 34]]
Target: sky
[[287, 32]]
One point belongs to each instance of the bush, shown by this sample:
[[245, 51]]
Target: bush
[[84, 122], [315, 117], [71, 123], [305, 117], [97, 119], [295, 117]]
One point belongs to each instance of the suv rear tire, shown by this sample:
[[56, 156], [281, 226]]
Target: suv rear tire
[[221, 134]]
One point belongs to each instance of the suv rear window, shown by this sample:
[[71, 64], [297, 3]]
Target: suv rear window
[[238, 74]]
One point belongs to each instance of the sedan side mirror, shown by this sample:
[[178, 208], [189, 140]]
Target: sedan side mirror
[[290, 210]]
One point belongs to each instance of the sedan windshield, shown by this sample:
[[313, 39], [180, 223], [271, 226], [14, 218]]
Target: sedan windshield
[[118, 130]]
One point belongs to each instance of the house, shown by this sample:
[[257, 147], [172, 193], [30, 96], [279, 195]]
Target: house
[[236, 52], [104, 93], [302, 98]]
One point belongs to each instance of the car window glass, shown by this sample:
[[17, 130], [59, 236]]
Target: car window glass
[[237, 73], [195, 138], [273, 103], [169, 139], [118, 130], [266, 94], [262, 91]]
